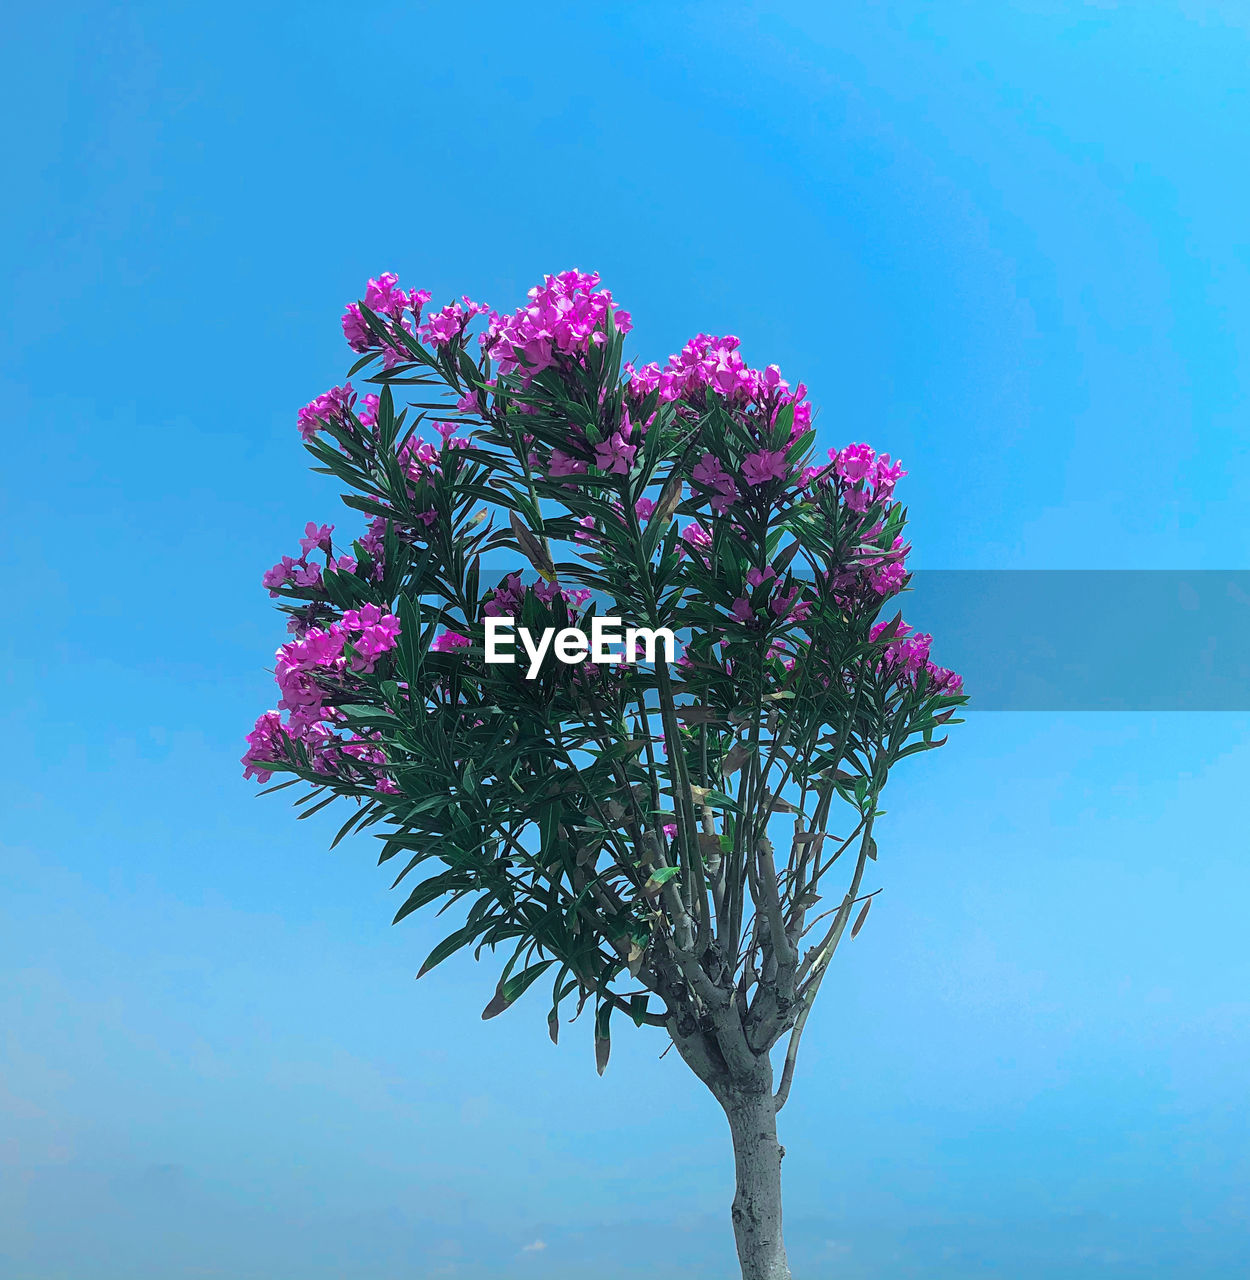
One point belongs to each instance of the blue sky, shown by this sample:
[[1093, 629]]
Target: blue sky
[[1005, 242]]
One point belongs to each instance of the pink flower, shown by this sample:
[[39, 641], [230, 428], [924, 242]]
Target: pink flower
[[450, 440], [888, 475], [565, 315], [355, 330], [316, 536], [854, 462], [330, 407], [505, 601], [374, 539], [906, 652], [944, 681], [449, 642], [643, 381], [563, 465], [369, 414], [381, 295], [266, 744], [709, 474], [614, 455], [366, 616], [444, 326], [697, 536], [278, 576], [789, 606], [721, 501], [418, 458], [385, 297], [764, 465], [375, 640], [888, 579]]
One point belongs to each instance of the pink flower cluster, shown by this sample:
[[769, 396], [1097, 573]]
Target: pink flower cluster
[[561, 465], [418, 458], [369, 414], [507, 598], [373, 543], [615, 455], [867, 477], [299, 573], [708, 363], [329, 406], [564, 316], [268, 742], [271, 741], [782, 605], [765, 465], [378, 634], [716, 483], [887, 573], [304, 668], [384, 297], [445, 326], [303, 662], [449, 642], [907, 654], [695, 535]]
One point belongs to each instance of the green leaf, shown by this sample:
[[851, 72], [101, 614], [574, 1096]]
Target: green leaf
[[408, 611], [548, 825], [532, 548], [507, 992], [719, 800], [859, 920], [428, 890], [603, 1037], [657, 880], [451, 944], [638, 1009]]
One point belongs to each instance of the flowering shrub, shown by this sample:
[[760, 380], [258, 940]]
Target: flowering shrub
[[617, 823]]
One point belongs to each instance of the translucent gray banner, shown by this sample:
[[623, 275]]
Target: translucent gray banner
[[1091, 639], [1082, 639]]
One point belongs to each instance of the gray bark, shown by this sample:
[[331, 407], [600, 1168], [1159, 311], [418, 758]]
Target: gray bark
[[756, 1208]]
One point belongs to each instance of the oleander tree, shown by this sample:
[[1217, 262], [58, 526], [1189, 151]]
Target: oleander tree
[[678, 847]]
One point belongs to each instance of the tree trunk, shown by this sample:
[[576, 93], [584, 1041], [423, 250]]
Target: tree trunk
[[757, 1169]]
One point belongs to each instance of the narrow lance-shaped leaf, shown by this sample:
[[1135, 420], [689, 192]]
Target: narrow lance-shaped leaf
[[451, 944], [603, 1037], [511, 990], [532, 548], [859, 920]]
